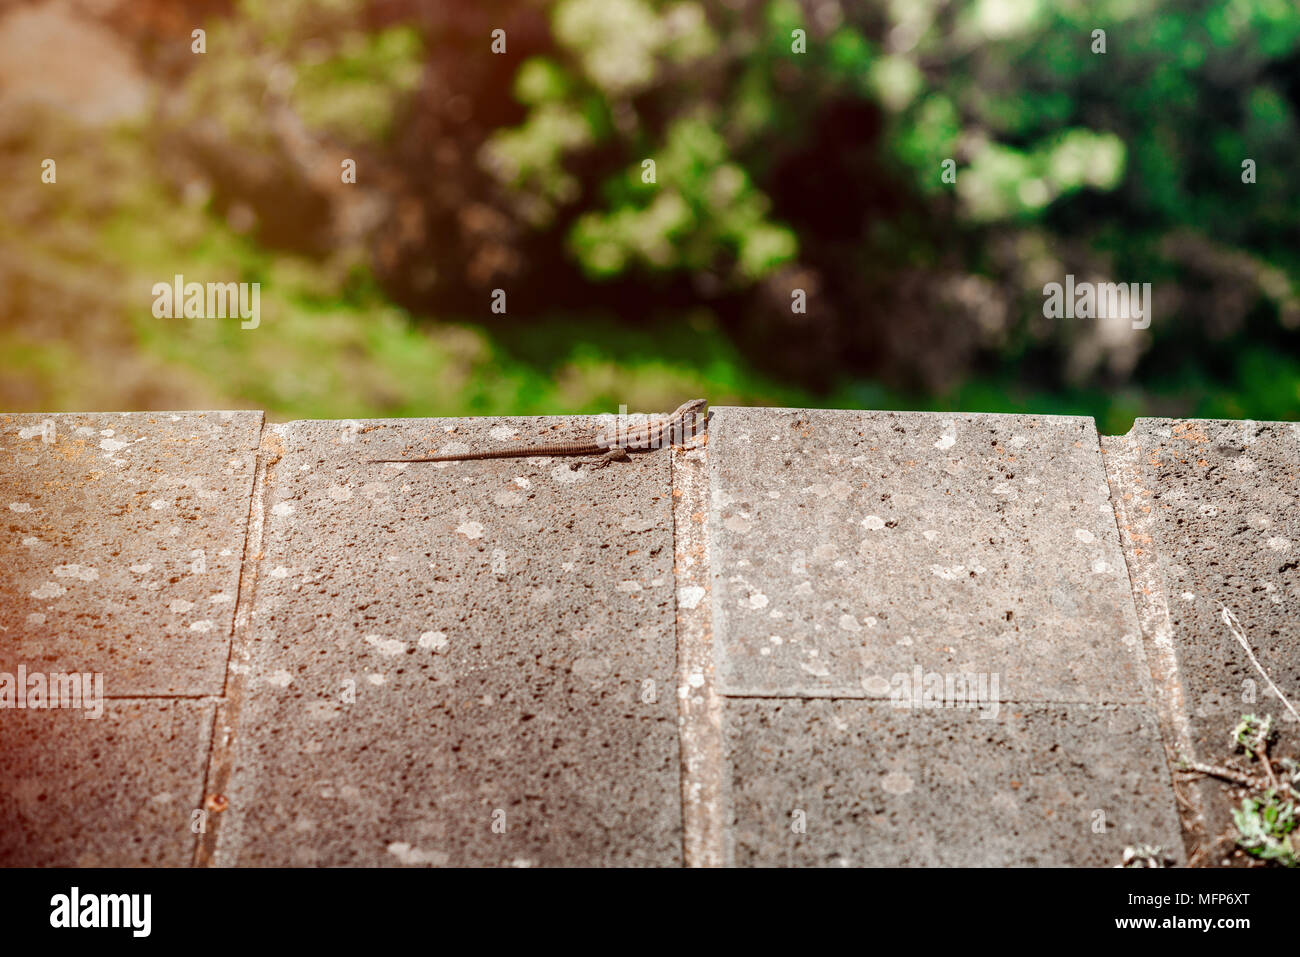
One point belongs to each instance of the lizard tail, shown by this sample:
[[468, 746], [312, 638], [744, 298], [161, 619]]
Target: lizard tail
[[547, 451], [436, 458], [446, 458]]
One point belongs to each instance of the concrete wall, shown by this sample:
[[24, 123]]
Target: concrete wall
[[694, 657]]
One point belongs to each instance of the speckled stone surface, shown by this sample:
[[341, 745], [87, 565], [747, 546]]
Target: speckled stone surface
[[122, 539], [117, 791], [850, 547], [475, 663], [860, 783], [1225, 504], [460, 663]]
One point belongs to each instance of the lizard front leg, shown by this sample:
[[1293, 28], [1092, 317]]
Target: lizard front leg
[[615, 454]]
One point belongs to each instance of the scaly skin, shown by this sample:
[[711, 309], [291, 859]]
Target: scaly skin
[[611, 447]]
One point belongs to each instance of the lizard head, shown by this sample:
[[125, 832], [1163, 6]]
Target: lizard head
[[687, 409]]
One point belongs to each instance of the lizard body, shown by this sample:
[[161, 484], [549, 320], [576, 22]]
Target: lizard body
[[612, 446]]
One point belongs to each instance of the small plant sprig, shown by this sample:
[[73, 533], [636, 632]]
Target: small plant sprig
[[1266, 829], [1252, 734], [1145, 855], [1266, 821]]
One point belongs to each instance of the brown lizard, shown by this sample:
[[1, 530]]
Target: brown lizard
[[611, 446]]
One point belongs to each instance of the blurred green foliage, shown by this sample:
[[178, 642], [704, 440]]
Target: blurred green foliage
[[352, 90], [650, 180]]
